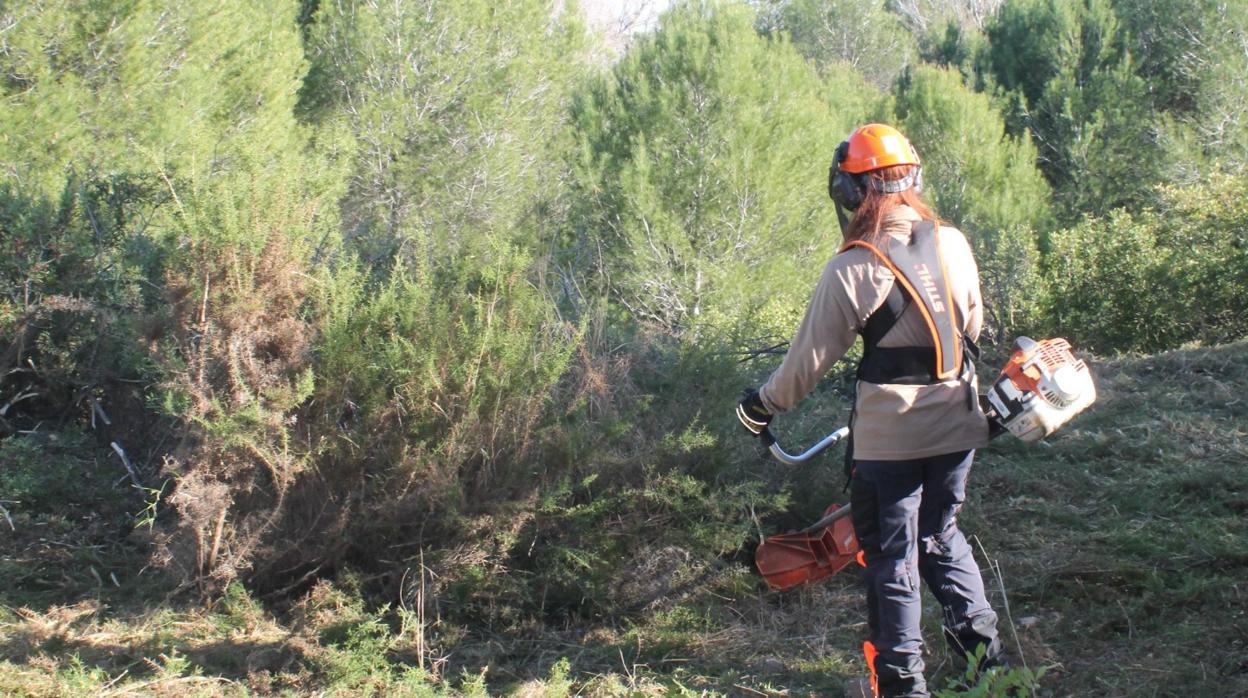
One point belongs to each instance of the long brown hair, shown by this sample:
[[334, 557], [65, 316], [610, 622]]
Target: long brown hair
[[869, 215]]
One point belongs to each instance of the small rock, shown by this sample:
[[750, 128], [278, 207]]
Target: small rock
[[1027, 621]]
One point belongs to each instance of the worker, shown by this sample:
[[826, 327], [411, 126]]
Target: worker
[[908, 284]]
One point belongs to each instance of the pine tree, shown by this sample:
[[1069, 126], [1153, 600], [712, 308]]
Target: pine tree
[[838, 33], [187, 88], [1071, 83], [701, 186], [925, 16], [982, 180], [1193, 57], [455, 109]]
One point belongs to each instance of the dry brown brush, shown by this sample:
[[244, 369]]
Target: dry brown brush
[[237, 363]]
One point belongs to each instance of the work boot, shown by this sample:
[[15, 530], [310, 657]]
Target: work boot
[[859, 688], [966, 637]]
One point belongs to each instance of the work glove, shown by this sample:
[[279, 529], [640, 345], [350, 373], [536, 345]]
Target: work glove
[[752, 413]]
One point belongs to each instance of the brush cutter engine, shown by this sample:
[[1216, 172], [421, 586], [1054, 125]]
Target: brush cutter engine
[[1041, 388]]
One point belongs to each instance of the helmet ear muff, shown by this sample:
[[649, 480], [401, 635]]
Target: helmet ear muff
[[845, 188]]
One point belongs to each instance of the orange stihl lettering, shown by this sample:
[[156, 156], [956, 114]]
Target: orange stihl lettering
[[929, 287]]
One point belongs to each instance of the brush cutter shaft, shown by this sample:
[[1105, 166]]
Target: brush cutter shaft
[[828, 520], [790, 459]]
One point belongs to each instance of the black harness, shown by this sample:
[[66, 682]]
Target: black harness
[[921, 281]]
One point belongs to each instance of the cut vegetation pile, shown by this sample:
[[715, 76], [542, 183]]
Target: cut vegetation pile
[[1121, 544]]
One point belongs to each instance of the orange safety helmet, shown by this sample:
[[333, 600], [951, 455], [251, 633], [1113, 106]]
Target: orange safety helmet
[[871, 147], [874, 146]]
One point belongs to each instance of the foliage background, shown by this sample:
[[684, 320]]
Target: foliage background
[[421, 321]]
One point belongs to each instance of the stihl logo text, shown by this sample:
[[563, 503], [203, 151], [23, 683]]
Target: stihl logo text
[[929, 287]]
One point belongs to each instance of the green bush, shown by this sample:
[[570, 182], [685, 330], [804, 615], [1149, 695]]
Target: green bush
[[1157, 278], [441, 383], [50, 477], [72, 296]]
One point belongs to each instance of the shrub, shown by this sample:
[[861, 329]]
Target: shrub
[[232, 347], [438, 383], [1155, 279], [71, 298]]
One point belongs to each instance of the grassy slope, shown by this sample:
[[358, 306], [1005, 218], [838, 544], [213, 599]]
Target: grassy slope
[[1121, 543], [1127, 539]]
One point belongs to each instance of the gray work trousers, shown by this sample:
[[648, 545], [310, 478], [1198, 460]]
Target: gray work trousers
[[905, 516]]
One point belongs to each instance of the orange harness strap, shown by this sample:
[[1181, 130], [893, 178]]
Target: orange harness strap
[[919, 265]]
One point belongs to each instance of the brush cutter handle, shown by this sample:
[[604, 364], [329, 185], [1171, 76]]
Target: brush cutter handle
[[790, 459]]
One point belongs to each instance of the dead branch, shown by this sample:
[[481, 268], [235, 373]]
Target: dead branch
[[125, 460], [773, 350]]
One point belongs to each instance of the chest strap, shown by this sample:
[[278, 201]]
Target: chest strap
[[920, 281]]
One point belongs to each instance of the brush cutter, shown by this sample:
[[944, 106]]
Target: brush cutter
[[1042, 386]]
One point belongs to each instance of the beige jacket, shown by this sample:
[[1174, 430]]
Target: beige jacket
[[892, 422]]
